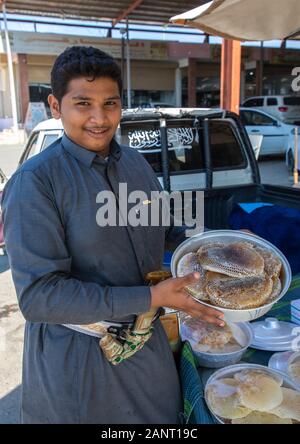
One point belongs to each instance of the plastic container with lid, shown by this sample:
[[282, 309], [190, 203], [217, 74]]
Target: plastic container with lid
[[285, 363], [229, 372], [274, 335], [218, 360]]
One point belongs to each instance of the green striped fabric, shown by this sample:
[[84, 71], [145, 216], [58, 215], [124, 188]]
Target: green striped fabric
[[195, 409]]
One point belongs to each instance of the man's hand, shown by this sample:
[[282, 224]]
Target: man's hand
[[171, 293]]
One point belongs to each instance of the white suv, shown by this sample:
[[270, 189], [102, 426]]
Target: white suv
[[285, 108]]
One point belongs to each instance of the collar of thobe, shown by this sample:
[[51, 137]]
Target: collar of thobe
[[86, 156]]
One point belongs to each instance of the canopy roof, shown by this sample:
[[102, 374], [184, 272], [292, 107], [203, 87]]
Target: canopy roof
[[245, 19], [144, 11]]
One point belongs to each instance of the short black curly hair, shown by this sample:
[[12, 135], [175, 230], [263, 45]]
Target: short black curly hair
[[82, 61]]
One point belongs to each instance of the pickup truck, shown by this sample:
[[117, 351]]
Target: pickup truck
[[190, 149]]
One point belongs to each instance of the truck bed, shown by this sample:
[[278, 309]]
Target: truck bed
[[219, 203]]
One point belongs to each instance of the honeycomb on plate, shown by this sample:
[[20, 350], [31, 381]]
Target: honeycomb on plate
[[236, 275]]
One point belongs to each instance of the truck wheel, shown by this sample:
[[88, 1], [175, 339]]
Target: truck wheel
[[290, 162]]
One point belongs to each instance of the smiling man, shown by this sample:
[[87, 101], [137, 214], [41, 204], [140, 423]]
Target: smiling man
[[69, 272], [90, 110]]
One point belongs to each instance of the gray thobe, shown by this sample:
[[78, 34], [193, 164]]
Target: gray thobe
[[69, 270]]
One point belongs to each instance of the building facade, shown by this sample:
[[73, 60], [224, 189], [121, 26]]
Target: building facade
[[175, 74]]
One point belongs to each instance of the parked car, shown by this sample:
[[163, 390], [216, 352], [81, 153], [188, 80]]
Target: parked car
[[190, 149], [151, 104], [285, 108], [278, 137]]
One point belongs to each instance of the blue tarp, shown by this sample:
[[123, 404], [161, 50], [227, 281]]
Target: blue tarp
[[278, 225]]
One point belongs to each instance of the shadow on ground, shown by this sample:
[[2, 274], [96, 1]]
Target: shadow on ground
[[4, 265], [10, 407]]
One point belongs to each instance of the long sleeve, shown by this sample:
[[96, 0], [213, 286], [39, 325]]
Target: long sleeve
[[41, 264]]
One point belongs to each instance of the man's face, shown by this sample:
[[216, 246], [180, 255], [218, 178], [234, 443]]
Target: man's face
[[90, 112]]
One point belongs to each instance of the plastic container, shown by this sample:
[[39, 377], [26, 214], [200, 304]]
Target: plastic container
[[228, 372], [295, 311], [282, 361], [218, 360], [274, 335], [192, 244]]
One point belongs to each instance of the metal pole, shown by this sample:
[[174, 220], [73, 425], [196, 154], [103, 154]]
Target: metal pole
[[261, 69], [128, 67], [296, 157], [207, 156], [10, 73], [164, 154], [123, 60], [178, 87]]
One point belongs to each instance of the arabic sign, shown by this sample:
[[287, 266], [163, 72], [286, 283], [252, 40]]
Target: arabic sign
[[147, 139], [40, 43]]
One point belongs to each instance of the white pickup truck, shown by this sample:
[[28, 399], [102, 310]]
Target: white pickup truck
[[189, 149]]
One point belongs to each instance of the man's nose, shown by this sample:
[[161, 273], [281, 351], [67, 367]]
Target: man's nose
[[98, 116]]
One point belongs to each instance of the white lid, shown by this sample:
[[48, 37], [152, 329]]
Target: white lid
[[273, 335], [280, 362]]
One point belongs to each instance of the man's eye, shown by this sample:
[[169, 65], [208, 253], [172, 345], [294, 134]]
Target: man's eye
[[83, 103], [110, 103]]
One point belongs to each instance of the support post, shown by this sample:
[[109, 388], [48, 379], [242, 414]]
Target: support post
[[128, 66], [24, 86], [192, 83], [230, 75], [178, 88], [296, 157], [10, 73]]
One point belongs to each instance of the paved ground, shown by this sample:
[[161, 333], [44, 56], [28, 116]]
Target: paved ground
[[11, 320], [9, 157]]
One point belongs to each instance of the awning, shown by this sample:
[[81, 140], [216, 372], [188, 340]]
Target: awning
[[245, 19], [142, 11]]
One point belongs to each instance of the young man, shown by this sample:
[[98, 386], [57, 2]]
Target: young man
[[69, 270]]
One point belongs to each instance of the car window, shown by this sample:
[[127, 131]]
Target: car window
[[253, 118], [185, 145], [48, 139], [254, 102], [245, 117], [31, 147], [226, 149], [184, 153], [272, 101], [292, 101]]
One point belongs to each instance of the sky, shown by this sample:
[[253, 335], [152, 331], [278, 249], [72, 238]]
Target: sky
[[141, 32]]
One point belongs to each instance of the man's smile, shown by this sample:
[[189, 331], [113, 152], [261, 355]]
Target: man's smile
[[97, 132]]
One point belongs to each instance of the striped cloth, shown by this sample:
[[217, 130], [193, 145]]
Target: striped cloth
[[192, 378], [195, 409]]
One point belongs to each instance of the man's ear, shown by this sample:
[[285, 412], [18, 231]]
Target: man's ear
[[54, 106]]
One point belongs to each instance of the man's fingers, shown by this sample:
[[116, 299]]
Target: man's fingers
[[207, 311], [189, 279], [213, 320]]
